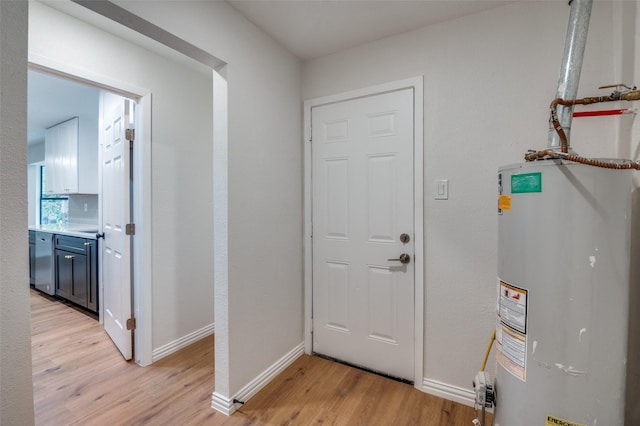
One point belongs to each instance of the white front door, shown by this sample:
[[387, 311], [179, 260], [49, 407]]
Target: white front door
[[116, 214], [363, 203]]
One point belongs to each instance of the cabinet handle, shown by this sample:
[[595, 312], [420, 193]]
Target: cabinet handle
[[69, 257], [88, 243]]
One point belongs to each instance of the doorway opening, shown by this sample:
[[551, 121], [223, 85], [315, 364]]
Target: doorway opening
[[126, 64], [181, 127], [54, 97]]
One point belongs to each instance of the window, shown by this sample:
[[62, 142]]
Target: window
[[54, 209]]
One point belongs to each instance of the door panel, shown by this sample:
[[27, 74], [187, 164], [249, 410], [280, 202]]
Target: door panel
[[115, 216], [362, 161], [382, 315]]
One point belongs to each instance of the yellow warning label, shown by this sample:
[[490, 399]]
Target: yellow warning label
[[556, 421], [504, 202]]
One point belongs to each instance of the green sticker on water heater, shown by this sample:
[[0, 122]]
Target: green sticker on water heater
[[527, 182]]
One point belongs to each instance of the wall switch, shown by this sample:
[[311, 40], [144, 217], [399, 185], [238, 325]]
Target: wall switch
[[441, 189], [85, 207]]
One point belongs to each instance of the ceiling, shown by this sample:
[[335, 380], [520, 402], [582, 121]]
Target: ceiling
[[313, 28], [307, 28], [52, 100]]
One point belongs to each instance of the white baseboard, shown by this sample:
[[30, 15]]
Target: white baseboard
[[182, 342], [226, 406], [450, 392], [223, 404]]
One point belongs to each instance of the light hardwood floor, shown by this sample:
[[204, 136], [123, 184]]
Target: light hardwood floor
[[80, 379]]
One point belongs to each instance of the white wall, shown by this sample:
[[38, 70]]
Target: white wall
[[35, 153], [181, 161], [33, 194], [489, 79], [35, 158], [16, 388], [264, 291]]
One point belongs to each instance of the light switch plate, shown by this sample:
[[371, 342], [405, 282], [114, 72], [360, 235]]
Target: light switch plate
[[441, 189]]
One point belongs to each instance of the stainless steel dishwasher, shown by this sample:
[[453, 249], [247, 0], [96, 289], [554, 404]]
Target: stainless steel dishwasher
[[44, 263]]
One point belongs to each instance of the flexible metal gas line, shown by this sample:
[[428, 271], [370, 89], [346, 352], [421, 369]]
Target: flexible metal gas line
[[622, 93], [631, 94], [549, 153]]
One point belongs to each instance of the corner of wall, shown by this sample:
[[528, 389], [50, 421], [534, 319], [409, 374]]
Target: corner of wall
[[182, 342], [227, 406], [222, 404]]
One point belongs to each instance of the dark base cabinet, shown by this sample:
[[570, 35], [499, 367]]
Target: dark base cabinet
[[76, 266]]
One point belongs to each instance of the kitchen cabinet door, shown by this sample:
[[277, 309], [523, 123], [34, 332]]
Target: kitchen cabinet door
[[76, 261], [52, 161], [71, 276], [62, 158], [68, 144]]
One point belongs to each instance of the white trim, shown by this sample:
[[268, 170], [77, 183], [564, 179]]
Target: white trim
[[226, 406], [418, 227], [447, 391], [416, 84], [143, 282], [143, 240], [221, 233], [39, 62], [183, 342], [222, 404]]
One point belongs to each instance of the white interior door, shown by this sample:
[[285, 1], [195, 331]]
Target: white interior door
[[116, 214], [362, 184]]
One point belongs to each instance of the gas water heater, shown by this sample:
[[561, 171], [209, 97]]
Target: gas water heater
[[565, 288], [567, 333]]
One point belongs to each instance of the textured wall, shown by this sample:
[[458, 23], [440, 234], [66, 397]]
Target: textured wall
[[264, 298], [488, 81], [16, 390]]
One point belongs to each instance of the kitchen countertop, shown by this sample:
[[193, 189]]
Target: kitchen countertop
[[82, 231]]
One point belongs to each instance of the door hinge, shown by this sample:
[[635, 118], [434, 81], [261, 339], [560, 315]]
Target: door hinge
[[130, 229], [130, 135], [131, 324]]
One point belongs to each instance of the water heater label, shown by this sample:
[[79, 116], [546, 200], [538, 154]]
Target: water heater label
[[556, 421], [513, 307], [504, 202], [526, 182], [511, 329]]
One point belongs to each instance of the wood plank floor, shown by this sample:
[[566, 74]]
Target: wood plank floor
[[80, 379]]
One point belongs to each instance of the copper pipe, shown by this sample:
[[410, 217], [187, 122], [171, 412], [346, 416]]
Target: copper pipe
[[631, 95]]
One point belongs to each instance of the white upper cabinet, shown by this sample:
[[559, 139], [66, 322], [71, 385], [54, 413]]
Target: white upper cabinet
[[71, 164]]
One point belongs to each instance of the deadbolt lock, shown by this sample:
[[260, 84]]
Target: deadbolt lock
[[404, 259], [405, 238]]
